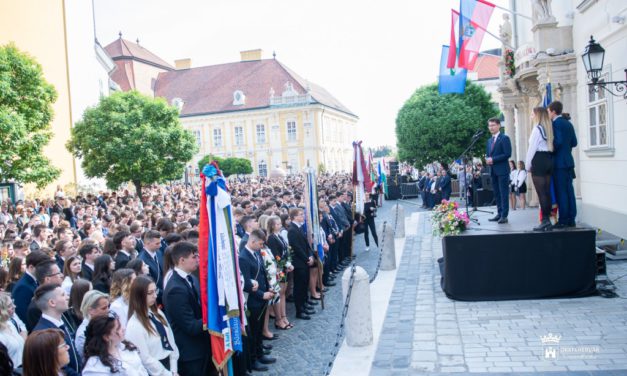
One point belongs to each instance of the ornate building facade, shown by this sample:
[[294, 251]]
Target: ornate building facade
[[256, 109], [547, 49]]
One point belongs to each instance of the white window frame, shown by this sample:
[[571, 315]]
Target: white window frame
[[238, 135], [260, 131], [606, 149], [198, 136], [262, 168], [291, 131], [217, 137]]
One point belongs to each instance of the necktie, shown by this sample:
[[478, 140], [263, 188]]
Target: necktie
[[493, 143], [162, 333], [68, 340], [17, 327], [191, 282]]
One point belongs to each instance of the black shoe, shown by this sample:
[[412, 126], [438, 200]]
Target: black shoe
[[544, 226], [559, 226], [266, 347], [257, 366], [496, 218], [274, 337], [309, 311], [267, 352], [267, 359], [313, 302], [302, 316], [330, 284], [502, 220], [325, 290]]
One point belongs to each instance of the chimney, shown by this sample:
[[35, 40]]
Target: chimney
[[251, 55], [181, 64]]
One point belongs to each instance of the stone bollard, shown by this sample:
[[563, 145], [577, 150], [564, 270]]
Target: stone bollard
[[399, 212], [388, 256], [359, 316]]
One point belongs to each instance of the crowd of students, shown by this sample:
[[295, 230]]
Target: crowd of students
[[107, 284]]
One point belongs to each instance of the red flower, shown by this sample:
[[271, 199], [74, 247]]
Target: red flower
[[278, 258], [263, 253]]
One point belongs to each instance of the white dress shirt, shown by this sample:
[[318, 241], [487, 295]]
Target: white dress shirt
[[131, 365], [120, 307], [536, 143], [13, 342], [521, 177], [150, 348], [79, 339]]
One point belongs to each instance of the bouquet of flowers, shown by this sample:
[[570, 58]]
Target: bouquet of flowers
[[510, 65], [446, 219], [281, 265]]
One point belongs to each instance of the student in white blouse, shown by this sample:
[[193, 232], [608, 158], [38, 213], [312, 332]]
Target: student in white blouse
[[107, 352], [120, 289], [94, 304], [540, 162], [521, 184], [149, 330], [12, 334]]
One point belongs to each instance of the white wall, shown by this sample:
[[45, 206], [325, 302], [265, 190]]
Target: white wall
[[603, 181]]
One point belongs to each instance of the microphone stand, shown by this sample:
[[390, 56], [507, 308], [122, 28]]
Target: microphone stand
[[465, 157]]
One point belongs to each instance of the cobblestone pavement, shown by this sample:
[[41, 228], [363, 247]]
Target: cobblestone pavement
[[307, 348], [427, 333]]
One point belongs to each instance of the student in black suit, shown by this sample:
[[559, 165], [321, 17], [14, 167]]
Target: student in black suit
[[302, 259], [498, 152], [46, 272], [256, 285], [25, 288], [125, 244], [370, 212], [89, 252], [52, 301], [249, 223], [181, 300], [343, 222], [152, 257]]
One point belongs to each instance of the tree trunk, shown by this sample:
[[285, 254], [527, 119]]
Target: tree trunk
[[138, 188]]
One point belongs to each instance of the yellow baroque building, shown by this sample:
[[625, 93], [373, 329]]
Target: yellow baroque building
[[256, 109]]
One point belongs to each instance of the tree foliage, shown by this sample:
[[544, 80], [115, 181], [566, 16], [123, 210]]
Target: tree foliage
[[25, 115], [432, 127], [131, 137], [382, 151], [229, 166]]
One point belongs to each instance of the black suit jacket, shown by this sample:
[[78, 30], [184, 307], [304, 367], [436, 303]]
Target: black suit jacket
[[253, 269], [277, 246], [74, 367], [22, 294], [155, 271], [60, 262], [86, 272], [301, 251], [185, 316], [243, 241], [121, 260]]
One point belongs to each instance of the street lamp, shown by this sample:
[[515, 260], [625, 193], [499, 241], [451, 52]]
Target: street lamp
[[593, 57]]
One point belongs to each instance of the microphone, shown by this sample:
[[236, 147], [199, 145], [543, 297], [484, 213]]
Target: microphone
[[479, 133]]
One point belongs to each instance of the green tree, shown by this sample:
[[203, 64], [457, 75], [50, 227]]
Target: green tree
[[382, 151], [229, 166], [432, 127], [131, 137], [25, 115]]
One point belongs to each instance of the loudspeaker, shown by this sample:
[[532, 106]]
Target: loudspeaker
[[393, 168], [394, 192]]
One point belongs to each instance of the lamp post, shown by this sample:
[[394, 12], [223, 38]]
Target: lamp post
[[593, 57]]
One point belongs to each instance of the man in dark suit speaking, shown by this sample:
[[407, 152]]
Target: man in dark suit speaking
[[498, 152]]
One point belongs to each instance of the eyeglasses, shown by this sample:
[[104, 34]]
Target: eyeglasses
[[54, 274]]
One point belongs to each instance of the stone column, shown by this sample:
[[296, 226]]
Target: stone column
[[399, 218], [359, 316], [510, 127], [388, 257]]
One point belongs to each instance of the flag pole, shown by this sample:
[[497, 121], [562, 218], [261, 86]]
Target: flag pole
[[494, 36], [512, 12]]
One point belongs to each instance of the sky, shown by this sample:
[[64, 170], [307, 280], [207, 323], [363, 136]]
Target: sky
[[371, 55]]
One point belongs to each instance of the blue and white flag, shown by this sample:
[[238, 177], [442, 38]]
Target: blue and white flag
[[451, 80]]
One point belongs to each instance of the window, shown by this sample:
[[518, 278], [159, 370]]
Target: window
[[217, 137], [261, 134], [198, 137], [597, 117], [263, 168], [291, 131], [239, 136]]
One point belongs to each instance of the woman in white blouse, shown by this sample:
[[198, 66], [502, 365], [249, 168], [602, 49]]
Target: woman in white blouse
[[148, 329], [107, 352], [94, 304], [12, 334], [520, 188], [540, 163], [512, 184], [120, 290]]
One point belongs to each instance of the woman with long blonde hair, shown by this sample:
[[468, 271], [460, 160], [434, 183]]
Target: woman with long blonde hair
[[539, 162]]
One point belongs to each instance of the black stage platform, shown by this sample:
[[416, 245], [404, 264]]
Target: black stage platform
[[509, 261]]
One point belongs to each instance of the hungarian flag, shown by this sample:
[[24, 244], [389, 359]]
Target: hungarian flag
[[474, 17]]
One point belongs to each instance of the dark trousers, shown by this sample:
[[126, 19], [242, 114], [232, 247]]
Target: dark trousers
[[500, 185], [197, 367], [255, 321], [301, 283], [331, 256], [370, 224], [345, 251], [565, 195]]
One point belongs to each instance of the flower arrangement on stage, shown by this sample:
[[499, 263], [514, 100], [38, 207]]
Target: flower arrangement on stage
[[446, 219], [510, 66]]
